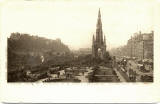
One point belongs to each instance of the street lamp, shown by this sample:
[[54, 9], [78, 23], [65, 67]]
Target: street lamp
[[131, 46]]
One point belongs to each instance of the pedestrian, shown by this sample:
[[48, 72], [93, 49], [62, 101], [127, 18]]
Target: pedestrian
[[83, 72], [58, 74]]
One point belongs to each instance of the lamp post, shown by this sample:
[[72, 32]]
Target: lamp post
[[143, 48], [131, 46]]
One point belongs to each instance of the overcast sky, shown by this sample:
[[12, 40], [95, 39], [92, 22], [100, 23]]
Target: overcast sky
[[74, 22]]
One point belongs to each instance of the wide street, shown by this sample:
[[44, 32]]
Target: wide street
[[122, 79], [133, 65], [135, 68]]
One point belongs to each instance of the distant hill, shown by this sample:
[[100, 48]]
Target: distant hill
[[25, 43], [33, 53], [25, 50]]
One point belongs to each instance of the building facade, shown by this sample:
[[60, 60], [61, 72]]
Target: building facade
[[141, 45], [99, 41]]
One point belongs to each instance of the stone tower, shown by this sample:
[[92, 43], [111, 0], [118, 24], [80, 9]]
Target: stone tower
[[99, 41]]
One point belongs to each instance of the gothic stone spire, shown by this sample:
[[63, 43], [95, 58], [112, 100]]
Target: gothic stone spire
[[93, 40], [99, 31]]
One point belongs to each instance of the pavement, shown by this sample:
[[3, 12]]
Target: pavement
[[83, 77], [138, 72], [122, 79]]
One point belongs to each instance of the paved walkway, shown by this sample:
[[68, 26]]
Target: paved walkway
[[83, 77], [119, 75]]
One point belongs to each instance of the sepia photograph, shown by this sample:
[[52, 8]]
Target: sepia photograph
[[69, 51], [79, 41]]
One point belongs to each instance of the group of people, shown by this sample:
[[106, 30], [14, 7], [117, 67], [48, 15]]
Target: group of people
[[126, 67]]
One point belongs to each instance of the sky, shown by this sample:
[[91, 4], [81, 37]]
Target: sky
[[74, 21]]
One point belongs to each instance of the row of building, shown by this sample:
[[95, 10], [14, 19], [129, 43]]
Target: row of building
[[140, 45]]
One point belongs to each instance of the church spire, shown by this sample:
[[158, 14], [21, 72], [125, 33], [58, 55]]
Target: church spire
[[99, 31], [93, 40], [99, 13], [99, 23]]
